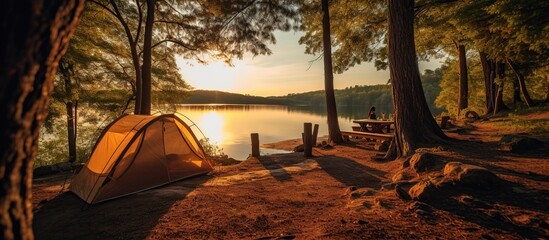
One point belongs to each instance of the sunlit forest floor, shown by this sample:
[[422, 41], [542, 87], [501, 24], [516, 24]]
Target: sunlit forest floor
[[340, 193]]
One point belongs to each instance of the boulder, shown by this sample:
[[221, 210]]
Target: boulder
[[423, 161], [401, 193], [404, 174], [424, 191], [471, 176], [519, 143]]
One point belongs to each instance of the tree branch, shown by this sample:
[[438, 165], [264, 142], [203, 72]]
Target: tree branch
[[140, 22], [225, 24], [104, 7], [177, 42]]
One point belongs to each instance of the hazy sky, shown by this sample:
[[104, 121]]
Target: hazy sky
[[285, 71]]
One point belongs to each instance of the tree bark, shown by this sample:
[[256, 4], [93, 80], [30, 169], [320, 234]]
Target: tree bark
[[71, 131], [147, 60], [520, 78], [516, 91], [487, 69], [35, 37], [414, 123], [463, 79], [547, 86], [331, 109], [499, 72]]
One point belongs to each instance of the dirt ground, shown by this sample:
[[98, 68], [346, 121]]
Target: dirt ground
[[340, 193]]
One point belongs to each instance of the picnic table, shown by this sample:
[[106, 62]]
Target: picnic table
[[374, 126]]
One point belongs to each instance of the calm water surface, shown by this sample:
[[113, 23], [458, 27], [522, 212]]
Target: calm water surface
[[229, 126]]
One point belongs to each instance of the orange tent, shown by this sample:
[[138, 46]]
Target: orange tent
[[139, 152]]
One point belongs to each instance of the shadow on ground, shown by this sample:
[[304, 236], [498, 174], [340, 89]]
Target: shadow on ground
[[132, 217], [351, 173]]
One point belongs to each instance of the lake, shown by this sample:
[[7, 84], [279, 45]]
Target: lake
[[230, 126]]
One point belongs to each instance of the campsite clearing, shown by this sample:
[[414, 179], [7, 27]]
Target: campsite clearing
[[340, 193]]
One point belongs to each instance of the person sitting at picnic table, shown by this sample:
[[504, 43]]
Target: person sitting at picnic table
[[372, 113]]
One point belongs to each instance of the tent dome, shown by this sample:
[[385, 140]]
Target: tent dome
[[138, 152]]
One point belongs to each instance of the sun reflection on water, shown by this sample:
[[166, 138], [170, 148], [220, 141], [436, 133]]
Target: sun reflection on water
[[212, 124]]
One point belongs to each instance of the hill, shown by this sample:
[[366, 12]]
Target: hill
[[208, 97]]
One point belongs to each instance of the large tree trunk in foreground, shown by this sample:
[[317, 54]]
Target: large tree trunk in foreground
[[520, 78], [463, 79], [35, 35], [147, 60], [414, 122], [333, 124]]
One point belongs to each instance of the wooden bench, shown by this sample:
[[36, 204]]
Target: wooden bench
[[378, 136]]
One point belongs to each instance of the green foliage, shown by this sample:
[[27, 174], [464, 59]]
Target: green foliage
[[447, 99], [379, 96], [358, 32], [211, 149]]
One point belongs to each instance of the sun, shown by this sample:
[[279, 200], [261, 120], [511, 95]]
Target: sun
[[213, 76]]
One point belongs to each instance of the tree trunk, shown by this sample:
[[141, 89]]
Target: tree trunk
[[147, 60], [71, 134], [414, 123], [35, 35], [135, 56], [463, 80], [520, 78], [331, 110], [547, 86], [66, 70], [500, 74], [516, 91], [71, 137], [487, 69]]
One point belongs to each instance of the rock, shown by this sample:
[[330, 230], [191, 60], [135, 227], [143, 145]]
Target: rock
[[471, 176], [361, 193], [299, 148], [423, 161], [401, 193], [403, 174], [423, 191], [519, 143]]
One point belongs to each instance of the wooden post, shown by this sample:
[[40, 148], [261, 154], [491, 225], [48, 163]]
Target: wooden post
[[255, 144], [315, 134], [308, 141], [444, 122]]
